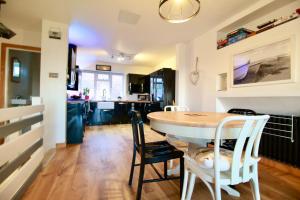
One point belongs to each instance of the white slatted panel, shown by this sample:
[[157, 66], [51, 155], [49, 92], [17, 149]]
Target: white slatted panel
[[12, 184], [19, 112], [13, 148]]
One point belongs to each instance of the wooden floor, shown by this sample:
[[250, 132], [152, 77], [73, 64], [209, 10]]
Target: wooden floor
[[99, 168]]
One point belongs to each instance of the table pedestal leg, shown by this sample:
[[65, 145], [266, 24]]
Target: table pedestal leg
[[174, 171]]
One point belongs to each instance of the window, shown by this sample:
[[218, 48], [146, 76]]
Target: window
[[102, 85]]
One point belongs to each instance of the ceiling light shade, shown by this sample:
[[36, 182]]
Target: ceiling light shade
[[178, 11]]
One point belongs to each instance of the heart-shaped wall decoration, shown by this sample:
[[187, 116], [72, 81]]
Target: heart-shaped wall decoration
[[194, 76]]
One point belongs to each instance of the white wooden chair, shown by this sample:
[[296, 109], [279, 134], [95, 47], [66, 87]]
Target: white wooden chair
[[173, 140], [223, 167], [176, 108]]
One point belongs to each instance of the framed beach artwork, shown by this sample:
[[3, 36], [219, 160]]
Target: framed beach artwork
[[269, 64]]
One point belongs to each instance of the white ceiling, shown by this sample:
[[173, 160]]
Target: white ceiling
[[95, 28]]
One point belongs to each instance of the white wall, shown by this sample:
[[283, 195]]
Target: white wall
[[23, 37], [267, 98], [54, 57], [168, 63]]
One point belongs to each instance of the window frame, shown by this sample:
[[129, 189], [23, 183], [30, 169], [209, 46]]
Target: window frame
[[110, 74]]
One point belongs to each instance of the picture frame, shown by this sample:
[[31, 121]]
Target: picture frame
[[15, 70], [106, 68], [271, 63]]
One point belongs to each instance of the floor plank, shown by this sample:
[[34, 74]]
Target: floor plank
[[99, 168]]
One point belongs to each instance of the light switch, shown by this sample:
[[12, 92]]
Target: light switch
[[53, 75]]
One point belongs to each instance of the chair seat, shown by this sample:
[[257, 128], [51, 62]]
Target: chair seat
[[204, 158], [161, 151]]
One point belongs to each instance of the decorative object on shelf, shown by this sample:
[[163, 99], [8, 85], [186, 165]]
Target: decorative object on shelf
[[276, 22], [15, 70], [106, 68], [178, 11], [222, 43], [242, 33], [266, 24], [194, 76], [271, 63], [86, 92], [238, 35]]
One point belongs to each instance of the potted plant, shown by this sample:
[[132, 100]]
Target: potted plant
[[86, 92]]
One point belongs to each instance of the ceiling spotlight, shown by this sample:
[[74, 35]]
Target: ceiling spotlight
[[122, 57], [178, 11]]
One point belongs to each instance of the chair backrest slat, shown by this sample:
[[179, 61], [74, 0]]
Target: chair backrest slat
[[138, 130], [238, 149], [251, 127]]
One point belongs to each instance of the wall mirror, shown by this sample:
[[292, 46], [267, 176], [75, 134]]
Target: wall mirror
[[15, 70]]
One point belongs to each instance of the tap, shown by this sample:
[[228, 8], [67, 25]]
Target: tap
[[104, 93]]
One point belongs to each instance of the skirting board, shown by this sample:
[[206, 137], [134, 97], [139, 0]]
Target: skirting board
[[61, 145], [280, 166]]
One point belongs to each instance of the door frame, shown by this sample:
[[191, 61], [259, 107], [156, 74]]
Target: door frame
[[4, 51]]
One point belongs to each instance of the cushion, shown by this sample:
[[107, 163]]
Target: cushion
[[204, 158]]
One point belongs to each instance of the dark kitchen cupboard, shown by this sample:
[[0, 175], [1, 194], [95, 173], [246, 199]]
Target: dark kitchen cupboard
[[138, 83], [162, 86]]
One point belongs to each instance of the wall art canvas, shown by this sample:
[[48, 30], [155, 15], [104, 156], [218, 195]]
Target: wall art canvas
[[267, 64]]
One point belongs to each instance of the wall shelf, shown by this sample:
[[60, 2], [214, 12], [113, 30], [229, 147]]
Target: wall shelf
[[221, 84], [268, 11]]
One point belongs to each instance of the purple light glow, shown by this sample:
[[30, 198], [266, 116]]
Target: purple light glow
[[85, 36]]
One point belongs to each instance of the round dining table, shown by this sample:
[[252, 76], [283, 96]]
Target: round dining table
[[193, 125], [196, 128]]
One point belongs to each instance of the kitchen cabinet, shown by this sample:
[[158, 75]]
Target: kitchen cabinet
[[120, 114], [162, 87], [75, 122]]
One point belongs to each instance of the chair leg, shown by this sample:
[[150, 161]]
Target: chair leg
[[185, 183], [132, 167], [255, 187], [218, 191], [191, 186], [166, 169], [141, 179], [181, 174]]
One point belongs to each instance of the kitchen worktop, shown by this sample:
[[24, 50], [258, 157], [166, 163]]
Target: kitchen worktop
[[122, 101]]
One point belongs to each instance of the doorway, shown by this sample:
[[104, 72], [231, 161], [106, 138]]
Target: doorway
[[20, 74]]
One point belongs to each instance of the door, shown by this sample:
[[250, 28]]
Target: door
[[7, 81]]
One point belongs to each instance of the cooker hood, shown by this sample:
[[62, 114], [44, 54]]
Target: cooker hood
[[6, 32]]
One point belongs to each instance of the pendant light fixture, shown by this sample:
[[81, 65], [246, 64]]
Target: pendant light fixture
[[178, 11]]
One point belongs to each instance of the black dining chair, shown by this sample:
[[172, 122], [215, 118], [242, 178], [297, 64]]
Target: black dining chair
[[151, 153]]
